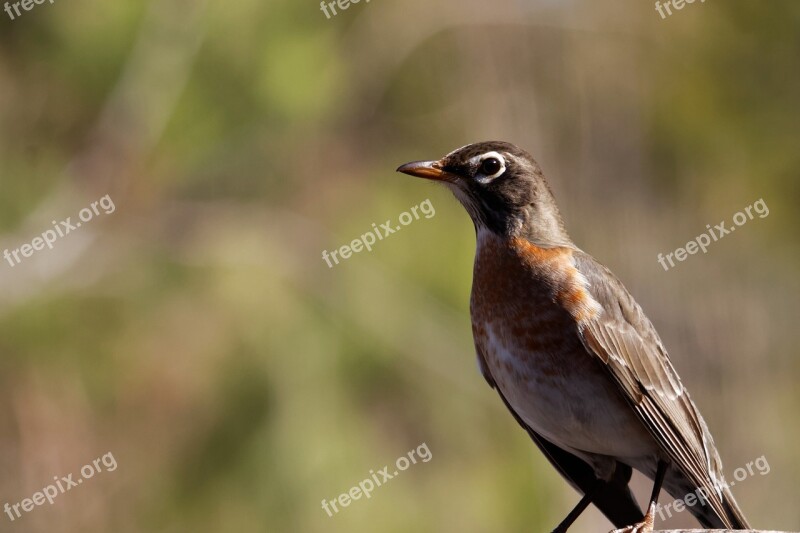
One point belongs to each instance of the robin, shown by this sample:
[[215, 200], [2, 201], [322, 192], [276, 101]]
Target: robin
[[571, 353]]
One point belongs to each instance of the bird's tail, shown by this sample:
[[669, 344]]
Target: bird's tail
[[718, 510], [735, 515]]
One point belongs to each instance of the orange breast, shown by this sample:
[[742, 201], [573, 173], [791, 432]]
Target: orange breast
[[527, 304], [517, 273], [532, 297]]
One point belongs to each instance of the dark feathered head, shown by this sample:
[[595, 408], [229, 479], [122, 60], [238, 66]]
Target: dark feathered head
[[501, 187]]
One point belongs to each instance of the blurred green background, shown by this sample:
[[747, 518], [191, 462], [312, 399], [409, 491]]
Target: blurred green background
[[197, 334]]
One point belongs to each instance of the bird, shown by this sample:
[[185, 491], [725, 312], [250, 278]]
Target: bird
[[570, 352]]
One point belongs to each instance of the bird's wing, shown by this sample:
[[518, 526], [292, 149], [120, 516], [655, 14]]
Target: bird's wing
[[613, 498], [622, 337]]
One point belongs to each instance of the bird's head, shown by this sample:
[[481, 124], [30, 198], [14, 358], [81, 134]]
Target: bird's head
[[502, 188]]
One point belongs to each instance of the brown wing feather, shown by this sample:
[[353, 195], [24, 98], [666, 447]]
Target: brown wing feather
[[626, 342]]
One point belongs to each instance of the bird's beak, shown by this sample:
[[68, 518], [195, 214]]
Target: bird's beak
[[431, 170]]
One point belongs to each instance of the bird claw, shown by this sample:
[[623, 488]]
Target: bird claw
[[641, 527]]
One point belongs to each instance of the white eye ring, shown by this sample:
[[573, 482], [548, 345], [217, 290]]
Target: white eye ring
[[481, 178]]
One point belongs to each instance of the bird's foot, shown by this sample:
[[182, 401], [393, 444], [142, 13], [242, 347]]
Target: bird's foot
[[645, 526]]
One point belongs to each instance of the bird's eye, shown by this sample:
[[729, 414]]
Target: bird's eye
[[491, 166]]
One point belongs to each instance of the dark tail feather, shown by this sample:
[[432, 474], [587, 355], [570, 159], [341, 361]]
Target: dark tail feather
[[616, 501], [735, 515], [614, 498], [706, 514]]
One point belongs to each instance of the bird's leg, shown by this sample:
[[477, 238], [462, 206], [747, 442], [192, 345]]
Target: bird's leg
[[646, 525], [576, 512]]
